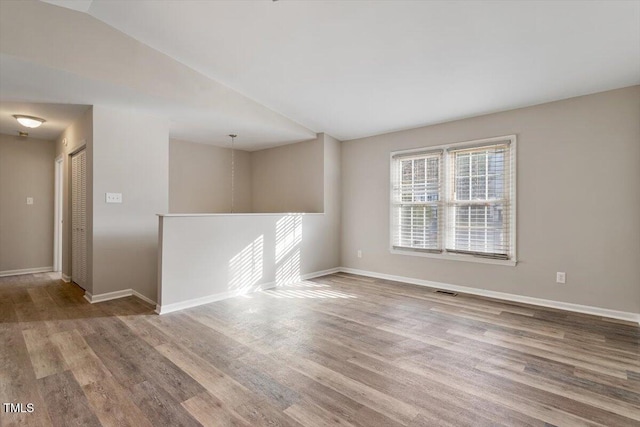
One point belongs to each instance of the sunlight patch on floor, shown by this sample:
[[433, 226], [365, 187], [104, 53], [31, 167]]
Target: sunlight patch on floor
[[306, 289]]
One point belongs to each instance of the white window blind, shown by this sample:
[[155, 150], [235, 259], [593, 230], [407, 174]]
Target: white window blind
[[479, 214], [417, 201], [457, 199]]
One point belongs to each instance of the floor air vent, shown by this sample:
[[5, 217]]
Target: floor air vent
[[453, 294]]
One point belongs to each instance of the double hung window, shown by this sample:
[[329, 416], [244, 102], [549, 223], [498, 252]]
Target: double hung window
[[456, 201]]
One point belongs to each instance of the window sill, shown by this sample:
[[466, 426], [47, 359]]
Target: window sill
[[456, 257]]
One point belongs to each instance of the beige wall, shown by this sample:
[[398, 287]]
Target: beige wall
[[78, 135], [200, 178], [578, 201], [26, 231], [131, 156], [289, 178]]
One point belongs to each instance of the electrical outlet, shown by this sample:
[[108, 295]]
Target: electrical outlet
[[113, 197], [29, 200], [561, 277], [359, 253]]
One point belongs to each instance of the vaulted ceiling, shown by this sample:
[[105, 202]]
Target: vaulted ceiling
[[279, 71]]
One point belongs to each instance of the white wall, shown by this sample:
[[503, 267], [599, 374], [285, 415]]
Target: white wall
[[578, 201], [208, 257], [131, 156], [332, 196], [26, 231], [200, 178]]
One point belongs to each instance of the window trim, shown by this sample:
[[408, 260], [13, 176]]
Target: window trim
[[512, 261]]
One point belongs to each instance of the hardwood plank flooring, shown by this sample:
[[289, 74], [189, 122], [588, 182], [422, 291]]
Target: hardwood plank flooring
[[339, 350]]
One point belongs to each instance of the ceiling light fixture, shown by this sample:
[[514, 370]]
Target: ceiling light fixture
[[29, 121]]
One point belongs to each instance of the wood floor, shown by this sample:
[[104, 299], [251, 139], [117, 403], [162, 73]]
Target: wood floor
[[338, 350]]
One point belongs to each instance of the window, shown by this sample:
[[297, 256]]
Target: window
[[455, 201]]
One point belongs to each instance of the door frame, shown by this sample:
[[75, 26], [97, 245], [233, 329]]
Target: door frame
[[58, 213]]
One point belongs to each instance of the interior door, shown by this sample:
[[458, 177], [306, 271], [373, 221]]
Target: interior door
[[79, 218]]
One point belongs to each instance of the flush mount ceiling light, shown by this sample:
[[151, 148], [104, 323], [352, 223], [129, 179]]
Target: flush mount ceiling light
[[29, 121]]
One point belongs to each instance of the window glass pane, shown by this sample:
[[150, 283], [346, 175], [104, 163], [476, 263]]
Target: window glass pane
[[462, 216], [462, 188], [477, 216], [419, 170], [479, 188], [407, 170], [495, 187], [432, 169], [419, 227], [419, 180], [431, 226], [496, 162], [462, 164], [462, 239], [477, 240], [479, 163], [407, 181], [405, 226], [495, 216], [433, 192], [497, 238], [433, 179]]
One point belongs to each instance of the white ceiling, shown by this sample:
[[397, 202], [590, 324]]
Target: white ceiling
[[79, 5], [357, 68]]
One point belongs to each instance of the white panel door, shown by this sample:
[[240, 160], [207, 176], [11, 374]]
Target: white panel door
[[79, 218]]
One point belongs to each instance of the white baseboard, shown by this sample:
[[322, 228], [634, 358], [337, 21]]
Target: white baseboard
[[596, 311], [320, 273], [142, 297], [65, 278], [88, 296], [26, 271], [115, 295], [192, 302], [168, 308]]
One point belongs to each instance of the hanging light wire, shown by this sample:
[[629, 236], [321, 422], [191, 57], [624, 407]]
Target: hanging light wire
[[233, 169]]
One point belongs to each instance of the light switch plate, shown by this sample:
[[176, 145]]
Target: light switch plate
[[113, 197], [29, 200]]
